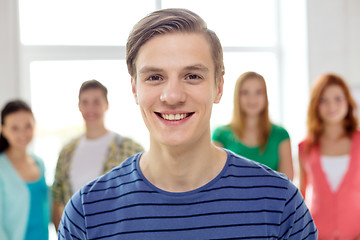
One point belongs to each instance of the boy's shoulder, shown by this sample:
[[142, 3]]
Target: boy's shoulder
[[253, 172], [254, 167]]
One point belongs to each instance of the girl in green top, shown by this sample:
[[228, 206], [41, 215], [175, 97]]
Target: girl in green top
[[250, 132]]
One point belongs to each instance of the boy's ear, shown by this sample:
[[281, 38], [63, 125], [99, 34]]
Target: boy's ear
[[219, 90], [133, 87]]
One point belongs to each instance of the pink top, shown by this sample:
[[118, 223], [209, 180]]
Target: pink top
[[336, 214]]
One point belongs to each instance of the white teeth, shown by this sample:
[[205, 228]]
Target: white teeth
[[174, 117]]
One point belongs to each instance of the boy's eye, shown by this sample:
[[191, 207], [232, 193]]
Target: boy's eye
[[153, 78], [193, 76]]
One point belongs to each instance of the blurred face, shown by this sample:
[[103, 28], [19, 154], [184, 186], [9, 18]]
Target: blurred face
[[333, 105], [175, 88], [93, 105], [18, 129], [252, 97]]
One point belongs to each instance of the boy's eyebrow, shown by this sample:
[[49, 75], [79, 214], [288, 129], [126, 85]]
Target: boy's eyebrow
[[197, 67], [148, 69]]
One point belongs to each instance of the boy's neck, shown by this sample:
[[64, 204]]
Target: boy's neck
[[183, 169]]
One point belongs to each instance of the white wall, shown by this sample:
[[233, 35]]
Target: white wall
[[295, 80], [333, 38], [9, 77], [353, 43]]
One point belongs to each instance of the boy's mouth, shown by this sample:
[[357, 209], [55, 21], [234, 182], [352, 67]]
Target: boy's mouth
[[174, 117]]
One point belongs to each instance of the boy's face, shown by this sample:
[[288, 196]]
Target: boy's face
[[93, 105], [175, 88]]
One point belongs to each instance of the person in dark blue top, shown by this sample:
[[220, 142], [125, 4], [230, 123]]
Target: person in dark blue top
[[183, 187]]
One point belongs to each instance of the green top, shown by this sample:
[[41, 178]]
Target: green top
[[269, 157]]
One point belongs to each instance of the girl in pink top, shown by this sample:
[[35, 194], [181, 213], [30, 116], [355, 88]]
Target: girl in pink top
[[330, 160]]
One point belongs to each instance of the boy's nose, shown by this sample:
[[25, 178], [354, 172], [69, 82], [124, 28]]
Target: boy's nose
[[173, 92]]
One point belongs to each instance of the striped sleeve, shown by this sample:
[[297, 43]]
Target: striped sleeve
[[296, 222], [72, 224]]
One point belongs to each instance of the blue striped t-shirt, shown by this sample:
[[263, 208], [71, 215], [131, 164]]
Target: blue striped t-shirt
[[247, 200]]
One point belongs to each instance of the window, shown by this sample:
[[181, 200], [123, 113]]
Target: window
[[67, 42], [80, 22], [240, 23]]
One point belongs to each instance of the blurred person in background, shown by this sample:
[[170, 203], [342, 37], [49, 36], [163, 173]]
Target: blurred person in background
[[24, 195], [93, 153], [251, 133], [330, 160]]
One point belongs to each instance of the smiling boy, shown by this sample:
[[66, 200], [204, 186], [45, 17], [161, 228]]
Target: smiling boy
[[183, 187]]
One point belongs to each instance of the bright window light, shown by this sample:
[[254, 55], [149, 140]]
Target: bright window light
[[236, 22], [79, 22]]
